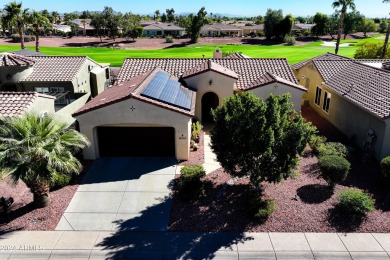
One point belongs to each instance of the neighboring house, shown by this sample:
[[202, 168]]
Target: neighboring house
[[72, 80], [163, 29], [354, 95], [301, 27], [17, 103], [149, 111], [221, 30], [84, 26], [250, 29], [62, 28]]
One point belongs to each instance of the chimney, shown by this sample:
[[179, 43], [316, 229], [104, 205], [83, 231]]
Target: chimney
[[217, 54]]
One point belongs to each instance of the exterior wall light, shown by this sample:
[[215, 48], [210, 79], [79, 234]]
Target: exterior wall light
[[211, 82]]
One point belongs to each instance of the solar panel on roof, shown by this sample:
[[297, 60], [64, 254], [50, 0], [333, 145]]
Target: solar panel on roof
[[166, 90]]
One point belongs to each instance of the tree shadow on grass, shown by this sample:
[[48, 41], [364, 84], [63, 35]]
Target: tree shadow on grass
[[146, 236], [343, 221], [315, 193]]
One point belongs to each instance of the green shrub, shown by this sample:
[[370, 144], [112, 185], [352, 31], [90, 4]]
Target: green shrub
[[266, 208], [316, 141], [60, 180], [189, 183], [334, 169], [256, 207], [307, 33], [27, 38], [196, 128], [261, 34], [289, 40], [385, 167], [333, 148], [355, 201], [169, 39]]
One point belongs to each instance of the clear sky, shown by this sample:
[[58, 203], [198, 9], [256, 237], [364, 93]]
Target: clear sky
[[370, 8]]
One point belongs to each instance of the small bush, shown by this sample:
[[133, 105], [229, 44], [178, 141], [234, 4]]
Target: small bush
[[289, 40], [60, 180], [385, 167], [355, 201], [169, 39], [333, 148], [27, 38], [334, 169], [266, 208], [189, 183], [261, 34], [196, 129], [316, 141], [255, 207], [307, 33]]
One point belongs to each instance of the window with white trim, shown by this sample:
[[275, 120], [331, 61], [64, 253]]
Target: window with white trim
[[317, 98], [326, 103]]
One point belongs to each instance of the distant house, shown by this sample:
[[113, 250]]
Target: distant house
[[71, 80], [221, 30], [84, 26], [163, 29], [63, 28], [302, 27], [149, 111], [354, 95], [27, 53]]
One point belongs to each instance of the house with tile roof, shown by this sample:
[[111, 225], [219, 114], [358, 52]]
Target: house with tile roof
[[72, 80], [17, 103], [216, 29], [354, 95], [163, 29], [153, 104]]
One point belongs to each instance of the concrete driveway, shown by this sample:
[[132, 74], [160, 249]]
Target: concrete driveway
[[122, 194]]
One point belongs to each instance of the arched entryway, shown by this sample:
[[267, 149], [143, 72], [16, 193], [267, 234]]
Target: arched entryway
[[209, 101]]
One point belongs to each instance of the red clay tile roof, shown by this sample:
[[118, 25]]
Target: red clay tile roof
[[268, 78], [10, 59], [326, 56], [131, 88], [248, 69], [57, 68], [328, 68], [365, 86], [15, 103], [209, 66]]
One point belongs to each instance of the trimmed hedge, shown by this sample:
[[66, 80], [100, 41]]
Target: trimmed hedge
[[27, 38], [332, 148], [334, 169], [355, 201], [189, 183], [316, 141], [385, 167]]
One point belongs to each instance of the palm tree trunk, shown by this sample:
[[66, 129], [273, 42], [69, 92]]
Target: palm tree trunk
[[386, 41], [37, 38], [20, 28], [40, 190], [341, 25]]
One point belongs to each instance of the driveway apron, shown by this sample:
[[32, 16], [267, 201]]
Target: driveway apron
[[120, 194]]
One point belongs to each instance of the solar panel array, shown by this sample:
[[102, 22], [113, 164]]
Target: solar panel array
[[166, 90]]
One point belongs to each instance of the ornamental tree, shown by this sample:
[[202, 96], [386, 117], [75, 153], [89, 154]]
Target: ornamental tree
[[259, 138]]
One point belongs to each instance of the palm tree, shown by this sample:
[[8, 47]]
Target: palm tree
[[157, 13], [14, 14], [36, 149], [38, 20], [55, 17], [344, 4], [387, 36]]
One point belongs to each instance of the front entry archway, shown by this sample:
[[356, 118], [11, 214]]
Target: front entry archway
[[209, 101]]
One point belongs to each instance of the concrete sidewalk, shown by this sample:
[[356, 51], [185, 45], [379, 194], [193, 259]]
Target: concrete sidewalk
[[189, 245]]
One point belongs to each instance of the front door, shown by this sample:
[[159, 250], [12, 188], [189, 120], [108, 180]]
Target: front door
[[209, 101]]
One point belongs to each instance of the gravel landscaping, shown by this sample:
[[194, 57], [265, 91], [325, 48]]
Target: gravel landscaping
[[196, 157], [24, 216], [303, 204]]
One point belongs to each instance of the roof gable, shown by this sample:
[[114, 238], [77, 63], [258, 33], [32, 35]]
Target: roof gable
[[10, 59], [268, 78], [15, 103], [327, 56], [209, 66]]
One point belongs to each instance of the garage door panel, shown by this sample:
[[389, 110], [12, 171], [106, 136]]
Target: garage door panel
[[136, 141]]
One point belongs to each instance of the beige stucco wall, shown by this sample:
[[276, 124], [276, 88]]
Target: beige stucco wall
[[221, 85], [350, 119], [144, 114], [98, 79], [280, 89], [42, 105], [15, 74], [65, 114]]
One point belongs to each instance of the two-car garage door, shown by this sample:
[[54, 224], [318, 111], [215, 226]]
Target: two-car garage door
[[136, 141]]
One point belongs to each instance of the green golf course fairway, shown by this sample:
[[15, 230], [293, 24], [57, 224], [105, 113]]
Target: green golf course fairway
[[116, 57]]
